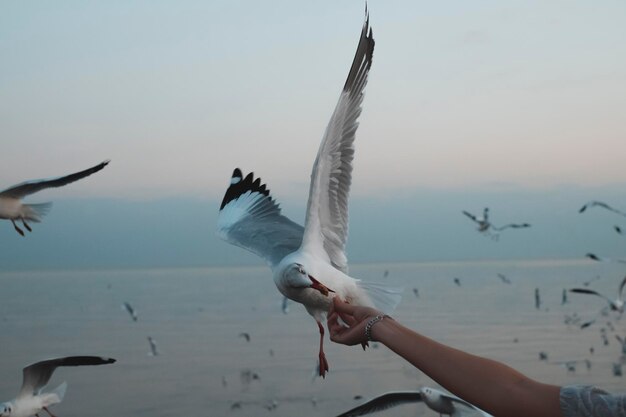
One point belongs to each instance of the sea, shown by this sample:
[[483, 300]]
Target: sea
[[199, 318]]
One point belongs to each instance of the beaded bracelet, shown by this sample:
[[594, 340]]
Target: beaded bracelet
[[372, 322]]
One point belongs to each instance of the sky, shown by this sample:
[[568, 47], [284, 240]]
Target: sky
[[468, 104]]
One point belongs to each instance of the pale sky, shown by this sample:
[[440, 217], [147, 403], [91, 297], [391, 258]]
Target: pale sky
[[461, 94]]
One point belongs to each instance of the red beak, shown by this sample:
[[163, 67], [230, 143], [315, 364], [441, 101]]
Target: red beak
[[316, 285]]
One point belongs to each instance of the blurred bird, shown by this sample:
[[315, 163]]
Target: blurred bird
[[12, 208], [484, 225], [133, 313], [600, 204], [615, 305], [436, 400], [597, 258], [153, 347], [31, 398]]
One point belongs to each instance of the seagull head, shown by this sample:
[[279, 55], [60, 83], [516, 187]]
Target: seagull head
[[299, 277], [6, 409]]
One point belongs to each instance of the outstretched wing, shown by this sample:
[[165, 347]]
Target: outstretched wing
[[384, 402], [597, 258], [510, 226], [592, 292], [471, 216], [37, 375], [603, 205], [251, 219], [326, 227], [30, 187]]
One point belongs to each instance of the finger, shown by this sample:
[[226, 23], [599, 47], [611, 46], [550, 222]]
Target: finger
[[348, 319], [342, 307]]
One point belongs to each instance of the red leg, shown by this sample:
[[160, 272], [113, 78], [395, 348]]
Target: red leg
[[323, 362]]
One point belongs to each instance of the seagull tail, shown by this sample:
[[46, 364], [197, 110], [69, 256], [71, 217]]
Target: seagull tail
[[384, 297], [59, 392], [34, 212]]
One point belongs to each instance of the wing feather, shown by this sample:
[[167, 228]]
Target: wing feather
[[37, 375], [327, 211], [30, 187], [250, 218], [384, 402]]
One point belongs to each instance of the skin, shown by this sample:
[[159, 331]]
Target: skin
[[492, 386]]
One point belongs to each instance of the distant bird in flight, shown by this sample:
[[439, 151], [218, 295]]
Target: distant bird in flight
[[245, 336], [31, 398], [600, 204], [309, 263], [153, 347], [457, 281], [537, 299], [564, 297], [436, 400], [486, 227], [504, 278], [597, 258], [133, 314], [615, 305], [12, 208]]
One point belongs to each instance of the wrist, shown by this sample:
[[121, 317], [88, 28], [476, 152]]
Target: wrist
[[374, 322]]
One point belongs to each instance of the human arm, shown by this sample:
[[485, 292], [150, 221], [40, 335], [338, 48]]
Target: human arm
[[488, 384]]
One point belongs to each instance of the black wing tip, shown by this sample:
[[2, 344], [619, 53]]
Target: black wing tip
[[363, 57], [239, 185], [592, 256]]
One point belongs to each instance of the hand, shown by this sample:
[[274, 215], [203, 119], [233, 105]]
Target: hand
[[356, 317]]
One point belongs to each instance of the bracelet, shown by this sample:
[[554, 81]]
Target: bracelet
[[372, 322]]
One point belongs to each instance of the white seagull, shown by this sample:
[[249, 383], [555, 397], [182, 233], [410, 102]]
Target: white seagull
[[484, 225], [439, 401], [12, 208], [615, 305], [31, 399], [309, 264]]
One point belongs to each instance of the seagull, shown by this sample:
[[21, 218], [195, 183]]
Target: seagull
[[309, 263], [543, 356], [245, 335], [457, 281], [564, 297], [617, 369], [597, 258], [600, 204], [133, 313], [31, 398], [537, 299], [436, 400], [504, 278], [484, 225], [153, 347], [12, 208], [615, 305]]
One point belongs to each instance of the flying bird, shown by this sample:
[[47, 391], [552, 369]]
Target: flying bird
[[615, 305], [133, 313], [600, 204], [537, 299], [436, 400], [31, 399], [309, 263], [245, 335], [153, 347], [504, 278], [597, 258], [12, 208], [485, 226]]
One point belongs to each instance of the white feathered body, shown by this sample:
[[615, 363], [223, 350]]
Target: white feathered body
[[316, 303]]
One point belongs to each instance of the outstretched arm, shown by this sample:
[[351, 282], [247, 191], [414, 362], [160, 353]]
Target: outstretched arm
[[490, 385]]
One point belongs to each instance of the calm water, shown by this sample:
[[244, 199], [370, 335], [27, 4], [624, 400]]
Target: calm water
[[196, 316]]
